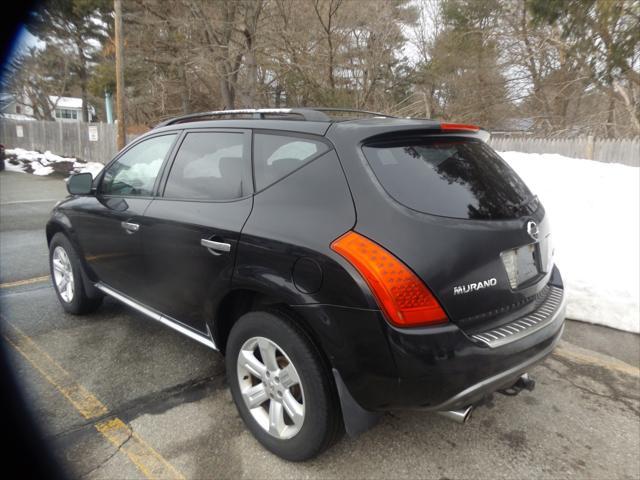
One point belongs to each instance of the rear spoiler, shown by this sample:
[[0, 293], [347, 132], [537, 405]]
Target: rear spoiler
[[465, 128]]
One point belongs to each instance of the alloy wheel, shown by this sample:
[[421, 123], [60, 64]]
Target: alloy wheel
[[271, 387], [63, 274]]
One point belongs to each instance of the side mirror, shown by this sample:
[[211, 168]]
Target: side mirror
[[80, 184]]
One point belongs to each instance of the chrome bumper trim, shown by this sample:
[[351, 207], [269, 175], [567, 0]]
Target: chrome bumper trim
[[544, 315]]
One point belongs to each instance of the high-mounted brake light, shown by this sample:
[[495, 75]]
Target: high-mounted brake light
[[458, 127], [405, 300]]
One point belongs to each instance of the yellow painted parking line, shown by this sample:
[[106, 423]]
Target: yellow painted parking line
[[84, 401], [141, 454], [579, 355], [27, 281]]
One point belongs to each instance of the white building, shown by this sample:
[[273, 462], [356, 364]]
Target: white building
[[66, 109]]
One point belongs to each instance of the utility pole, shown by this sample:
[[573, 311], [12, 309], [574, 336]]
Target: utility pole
[[122, 130]]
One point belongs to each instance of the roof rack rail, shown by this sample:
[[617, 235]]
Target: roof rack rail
[[308, 114], [352, 110]]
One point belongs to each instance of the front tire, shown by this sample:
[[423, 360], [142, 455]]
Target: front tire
[[66, 275], [281, 386]]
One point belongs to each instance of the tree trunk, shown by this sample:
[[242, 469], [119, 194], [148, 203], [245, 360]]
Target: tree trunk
[[85, 107], [186, 107], [633, 111], [83, 77], [227, 94], [251, 16], [278, 96], [610, 127], [252, 70]]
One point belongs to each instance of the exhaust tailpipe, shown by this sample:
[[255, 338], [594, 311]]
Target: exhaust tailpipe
[[460, 416]]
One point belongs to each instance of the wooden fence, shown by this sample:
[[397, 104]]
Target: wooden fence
[[95, 142], [625, 151]]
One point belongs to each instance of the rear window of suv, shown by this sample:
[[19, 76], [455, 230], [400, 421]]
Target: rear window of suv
[[451, 177]]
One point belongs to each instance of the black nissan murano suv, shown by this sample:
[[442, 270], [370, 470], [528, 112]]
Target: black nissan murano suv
[[344, 267]]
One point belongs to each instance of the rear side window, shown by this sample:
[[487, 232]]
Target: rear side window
[[209, 166], [275, 155], [452, 177]]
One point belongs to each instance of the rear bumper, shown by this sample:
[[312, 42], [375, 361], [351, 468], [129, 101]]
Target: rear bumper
[[434, 368], [462, 372], [505, 379]]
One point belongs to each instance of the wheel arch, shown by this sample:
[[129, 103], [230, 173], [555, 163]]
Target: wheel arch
[[60, 223], [239, 301]]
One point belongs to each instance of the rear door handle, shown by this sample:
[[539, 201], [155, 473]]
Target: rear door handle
[[130, 227], [215, 247]]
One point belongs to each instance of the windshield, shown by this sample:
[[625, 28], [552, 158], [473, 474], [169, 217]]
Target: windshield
[[450, 176]]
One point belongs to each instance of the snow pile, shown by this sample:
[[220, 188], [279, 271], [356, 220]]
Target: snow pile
[[594, 209], [28, 161]]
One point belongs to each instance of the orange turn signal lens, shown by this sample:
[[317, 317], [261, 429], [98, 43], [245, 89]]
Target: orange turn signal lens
[[402, 296], [458, 127]]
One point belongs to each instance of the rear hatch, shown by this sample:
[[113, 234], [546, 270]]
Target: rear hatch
[[467, 225]]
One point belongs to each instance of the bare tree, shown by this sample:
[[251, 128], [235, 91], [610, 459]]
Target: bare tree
[[37, 79]]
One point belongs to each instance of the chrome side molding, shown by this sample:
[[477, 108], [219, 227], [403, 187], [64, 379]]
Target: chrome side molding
[[156, 316]]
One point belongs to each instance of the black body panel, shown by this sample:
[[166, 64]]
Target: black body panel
[[390, 368], [298, 217], [182, 277], [113, 254]]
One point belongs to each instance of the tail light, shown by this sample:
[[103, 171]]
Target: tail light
[[458, 127], [402, 296]]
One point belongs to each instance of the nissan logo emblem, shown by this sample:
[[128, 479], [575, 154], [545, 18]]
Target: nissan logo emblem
[[532, 229]]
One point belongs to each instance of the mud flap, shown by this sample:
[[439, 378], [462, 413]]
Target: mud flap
[[356, 419]]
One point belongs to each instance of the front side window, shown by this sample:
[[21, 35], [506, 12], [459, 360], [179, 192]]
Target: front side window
[[135, 172], [209, 166], [275, 156]]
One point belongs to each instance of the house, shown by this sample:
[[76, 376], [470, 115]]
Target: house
[[70, 109], [65, 109]]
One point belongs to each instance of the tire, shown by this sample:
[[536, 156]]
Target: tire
[[321, 424], [72, 293]]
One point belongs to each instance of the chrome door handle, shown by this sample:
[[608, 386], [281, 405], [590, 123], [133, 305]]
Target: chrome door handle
[[215, 247], [130, 227]]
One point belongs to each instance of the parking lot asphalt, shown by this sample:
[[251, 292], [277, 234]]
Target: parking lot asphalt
[[119, 396]]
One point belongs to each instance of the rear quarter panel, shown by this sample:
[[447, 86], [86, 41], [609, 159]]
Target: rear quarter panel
[[297, 218]]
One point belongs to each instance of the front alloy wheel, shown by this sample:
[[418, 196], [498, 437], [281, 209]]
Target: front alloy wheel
[[270, 387], [63, 274], [66, 273]]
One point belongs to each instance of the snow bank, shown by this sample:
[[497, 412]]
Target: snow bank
[[594, 209], [36, 163]]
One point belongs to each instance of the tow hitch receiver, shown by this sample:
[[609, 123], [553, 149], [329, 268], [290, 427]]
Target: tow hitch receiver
[[525, 382]]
